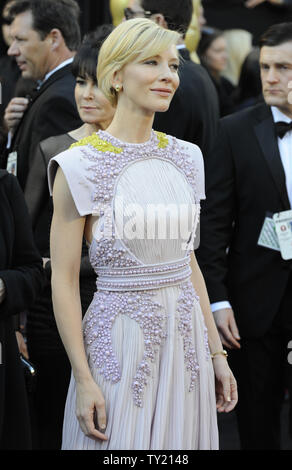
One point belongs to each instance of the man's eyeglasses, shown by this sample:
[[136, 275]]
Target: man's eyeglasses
[[130, 13]]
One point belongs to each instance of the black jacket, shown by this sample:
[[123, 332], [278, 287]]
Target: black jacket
[[9, 74], [41, 325], [52, 111], [22, 273], [245, 180]]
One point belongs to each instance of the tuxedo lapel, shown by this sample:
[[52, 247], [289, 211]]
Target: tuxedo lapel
[[184, 53], [35, 96], [266, 136], [56, 76]]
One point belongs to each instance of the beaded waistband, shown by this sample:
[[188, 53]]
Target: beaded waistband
[[144, 277]]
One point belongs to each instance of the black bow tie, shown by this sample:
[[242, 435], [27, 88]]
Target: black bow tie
[[282, 128]]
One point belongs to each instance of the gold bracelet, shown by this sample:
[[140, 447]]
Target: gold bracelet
[[222, 353]]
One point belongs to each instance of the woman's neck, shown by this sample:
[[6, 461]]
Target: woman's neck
[[84, 131], [131, 127]]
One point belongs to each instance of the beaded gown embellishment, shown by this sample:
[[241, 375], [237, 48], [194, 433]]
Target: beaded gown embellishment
[[106, 158]]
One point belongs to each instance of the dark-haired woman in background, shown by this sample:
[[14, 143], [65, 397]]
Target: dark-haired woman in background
[[249, 89], [212, 51], [21, 277], [43, 339]]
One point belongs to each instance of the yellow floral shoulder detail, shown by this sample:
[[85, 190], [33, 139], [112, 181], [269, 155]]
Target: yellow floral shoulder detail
[[105, 146], [162, 140], [97, 143]]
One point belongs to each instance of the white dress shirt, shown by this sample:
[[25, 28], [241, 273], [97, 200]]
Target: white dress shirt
[[60, 66], [285, 150]]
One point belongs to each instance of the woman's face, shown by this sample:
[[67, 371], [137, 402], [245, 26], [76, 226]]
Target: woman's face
[[92, 105], [216, 55], [149, 85]]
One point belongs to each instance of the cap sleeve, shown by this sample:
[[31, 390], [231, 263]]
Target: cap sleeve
[[74, 167], [196, 157]]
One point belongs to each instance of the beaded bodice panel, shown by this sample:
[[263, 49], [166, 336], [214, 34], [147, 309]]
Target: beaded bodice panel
[[130, 181], [114, 168], [110, 157]]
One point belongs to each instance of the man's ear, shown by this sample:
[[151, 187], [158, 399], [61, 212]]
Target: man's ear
[[160, 20], [55, 37]]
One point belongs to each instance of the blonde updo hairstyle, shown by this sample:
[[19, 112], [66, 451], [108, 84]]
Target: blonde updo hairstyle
[[132, 41]]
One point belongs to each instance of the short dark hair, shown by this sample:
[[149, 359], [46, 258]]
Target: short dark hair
[[276, 35], [249, 83], [50, 14], [178, 14], [208, 35], [85, 60]]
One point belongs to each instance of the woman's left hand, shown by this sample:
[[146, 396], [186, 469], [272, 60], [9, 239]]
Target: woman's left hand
[[225, 385]]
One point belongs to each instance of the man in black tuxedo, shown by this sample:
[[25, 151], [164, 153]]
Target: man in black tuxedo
[[45, 37], [249, 178], [193, 114]]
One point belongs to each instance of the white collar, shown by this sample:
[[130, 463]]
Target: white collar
[[60, 66], [278, 115], [181, 46]]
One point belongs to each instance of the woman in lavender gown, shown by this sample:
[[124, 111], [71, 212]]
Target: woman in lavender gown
[[148, 368]]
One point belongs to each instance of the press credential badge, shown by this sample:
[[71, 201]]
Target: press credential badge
[[268, 236], [283, 225], [12, 163]]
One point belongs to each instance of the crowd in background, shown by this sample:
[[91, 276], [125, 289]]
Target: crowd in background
[[220, 75]]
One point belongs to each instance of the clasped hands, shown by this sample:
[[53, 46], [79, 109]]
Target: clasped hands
[[14, 112]]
